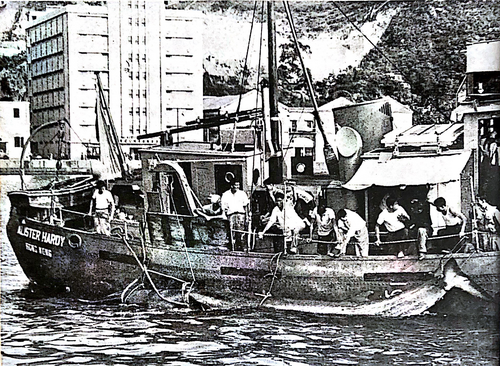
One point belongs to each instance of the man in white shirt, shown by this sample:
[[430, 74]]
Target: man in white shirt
[[352, 226], [324, 220], [455, 224], [393, 218], [104, 204], [287, 221], [235, 205]]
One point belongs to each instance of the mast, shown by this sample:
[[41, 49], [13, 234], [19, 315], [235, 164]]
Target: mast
[[111, 153], [276, 160], [331, 159]]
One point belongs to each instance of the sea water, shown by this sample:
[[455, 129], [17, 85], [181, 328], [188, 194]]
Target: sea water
[[57, 331]]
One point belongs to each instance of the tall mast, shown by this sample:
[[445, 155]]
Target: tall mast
[[330, 157], [275, 161]]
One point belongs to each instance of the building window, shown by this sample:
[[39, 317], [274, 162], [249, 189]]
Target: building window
[[137, 75], [130, 57], [130, 39], [137, 40], [18, 141], [294, 125], [144, 40], [131, 111], [143, 21], [130, 4], [138, 111], [130, 21], [16, 113], [131, 93], [137, 21], [144, 57], [144, 93], [144, 75]]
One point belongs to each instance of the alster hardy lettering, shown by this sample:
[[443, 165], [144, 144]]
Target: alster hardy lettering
[[41, 236]]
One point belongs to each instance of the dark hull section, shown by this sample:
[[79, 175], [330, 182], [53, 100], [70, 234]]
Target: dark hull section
[[81, 264], [88, 265], [318, 278]]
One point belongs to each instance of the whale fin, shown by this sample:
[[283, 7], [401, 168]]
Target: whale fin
[[453, 276]]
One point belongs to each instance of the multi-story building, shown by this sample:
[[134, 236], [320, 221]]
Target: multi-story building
[[65, 50], [14, 128], [149, 60], [157, 72]]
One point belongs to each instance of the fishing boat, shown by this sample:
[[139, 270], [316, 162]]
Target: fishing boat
[[74, 194], [171, 246]]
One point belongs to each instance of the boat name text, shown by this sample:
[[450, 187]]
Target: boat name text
[[39, 250], [41, 236]]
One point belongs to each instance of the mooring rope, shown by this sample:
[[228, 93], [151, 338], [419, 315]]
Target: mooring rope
[[146, 273], [269, 294]]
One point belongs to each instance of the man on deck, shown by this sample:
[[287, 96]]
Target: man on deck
[[285, 221], [393, 217], [104, 204], [488, 218], [454, 224], [352, 226], [235, 205]]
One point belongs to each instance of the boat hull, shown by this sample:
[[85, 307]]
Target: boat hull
[[79, 263], [90, 265]]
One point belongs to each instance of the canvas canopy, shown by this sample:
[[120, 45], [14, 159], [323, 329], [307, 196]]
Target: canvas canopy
[[408, 171]]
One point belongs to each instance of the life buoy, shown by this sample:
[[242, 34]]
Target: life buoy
[[75, 241], [119, 232]]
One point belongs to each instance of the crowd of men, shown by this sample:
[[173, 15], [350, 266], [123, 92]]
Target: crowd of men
[[289, 212]]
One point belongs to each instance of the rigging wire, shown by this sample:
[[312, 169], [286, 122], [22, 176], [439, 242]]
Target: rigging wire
[[246, 55], [255, 140], [243, 74], [438, 109]]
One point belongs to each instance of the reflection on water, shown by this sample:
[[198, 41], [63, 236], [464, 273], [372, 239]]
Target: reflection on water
[[61, 332]]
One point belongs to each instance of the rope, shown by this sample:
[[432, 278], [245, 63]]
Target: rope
[[184, 242], [384, 242], [268, 294], [146, 273], [246, 55]]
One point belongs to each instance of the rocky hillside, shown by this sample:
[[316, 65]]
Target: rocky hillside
[[412, 51]]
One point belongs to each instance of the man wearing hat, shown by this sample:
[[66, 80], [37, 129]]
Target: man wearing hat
[[104, 204]]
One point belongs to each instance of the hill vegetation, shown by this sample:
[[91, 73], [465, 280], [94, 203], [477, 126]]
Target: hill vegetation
[[419, 60]]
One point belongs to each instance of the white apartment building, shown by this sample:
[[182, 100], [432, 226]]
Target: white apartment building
[[149, 60], [157, 69], [14, 128], [65, 50]]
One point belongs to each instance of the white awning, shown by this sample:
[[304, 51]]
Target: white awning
[[413, 171]]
